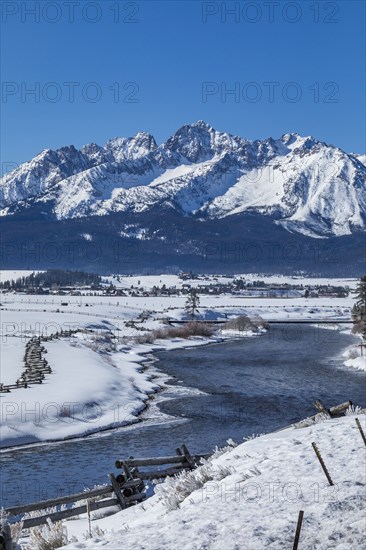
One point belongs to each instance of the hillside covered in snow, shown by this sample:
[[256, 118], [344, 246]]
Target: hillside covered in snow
[[248, 497], [310, 187], [200, 186]]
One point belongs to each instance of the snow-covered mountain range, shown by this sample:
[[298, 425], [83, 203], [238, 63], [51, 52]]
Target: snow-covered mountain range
[[306, 186]]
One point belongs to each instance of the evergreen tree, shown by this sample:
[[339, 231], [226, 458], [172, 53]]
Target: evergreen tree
[[192, 303], [359, 309]]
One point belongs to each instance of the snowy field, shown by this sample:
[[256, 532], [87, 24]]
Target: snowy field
[[249, 497], [98, 380], [11, 359], [148, 281]]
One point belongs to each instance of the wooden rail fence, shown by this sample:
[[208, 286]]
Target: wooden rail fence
[[123, 491], [333, 412], [183, 460]]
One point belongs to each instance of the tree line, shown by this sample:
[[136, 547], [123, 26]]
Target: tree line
[[52, 278]]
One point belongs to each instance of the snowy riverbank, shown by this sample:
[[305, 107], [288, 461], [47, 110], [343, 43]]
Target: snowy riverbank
[[89, 390], [355, 358], [249, 498], [98, 379]]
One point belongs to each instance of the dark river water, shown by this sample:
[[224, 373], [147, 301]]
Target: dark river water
[[251, 385]]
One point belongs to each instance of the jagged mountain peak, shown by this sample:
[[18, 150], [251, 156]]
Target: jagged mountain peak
[[307, 186], [199, 141], [296, 141], [202, 124], [132, 147], [91, 148], [290, 137]]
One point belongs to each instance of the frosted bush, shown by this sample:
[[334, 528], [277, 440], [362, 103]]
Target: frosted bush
[[176, 489], [222, 450], [48, 537], [3, 518], [320, 417], [15, 528], [354, 410], [16, 531], [96, 533], [253, 436]]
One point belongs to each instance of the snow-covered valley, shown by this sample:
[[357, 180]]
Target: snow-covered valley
[[98, 380], [105, 376]]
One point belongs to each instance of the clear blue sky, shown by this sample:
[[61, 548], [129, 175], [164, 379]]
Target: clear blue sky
[[168, 51]]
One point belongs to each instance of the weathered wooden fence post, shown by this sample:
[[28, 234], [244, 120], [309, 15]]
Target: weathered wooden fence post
[[321, 408], [361, 430], [298, 530], [322, 463], [188, 456], [117, 491]]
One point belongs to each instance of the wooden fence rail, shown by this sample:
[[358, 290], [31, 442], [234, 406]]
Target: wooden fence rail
[[337, 410], [183, 460], [71, 512], [123, 491], [101, 492], [44, 504], [161, 461], [127, 488]]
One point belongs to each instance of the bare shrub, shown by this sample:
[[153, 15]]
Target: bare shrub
[[193, 328], [144, 338], [359, 327], [199, 329], [353, 353], [245, 323], [259, 322], [240, 324], [15, 528], [160, 333]]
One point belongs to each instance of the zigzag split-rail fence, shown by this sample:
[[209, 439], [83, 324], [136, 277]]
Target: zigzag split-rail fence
[[36, 367]]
